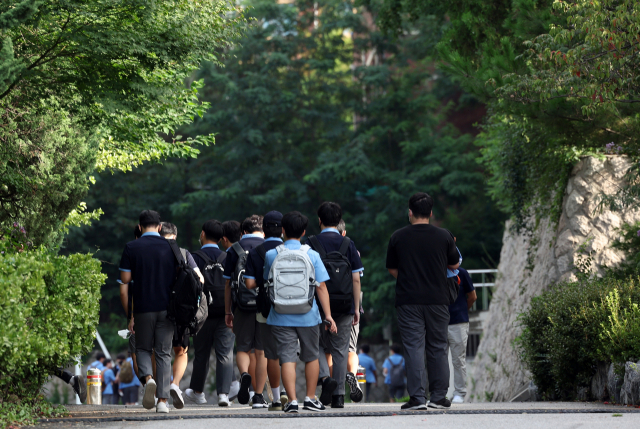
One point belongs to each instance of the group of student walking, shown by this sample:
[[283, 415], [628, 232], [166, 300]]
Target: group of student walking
[[282, 301]]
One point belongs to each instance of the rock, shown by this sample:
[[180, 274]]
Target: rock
[[564, 263], [630, 391], [592, 166], [599, 382], [614, 384], [580, 224], [566, 241], [573, 203], [582, 394], [608, 221], [619, 165]]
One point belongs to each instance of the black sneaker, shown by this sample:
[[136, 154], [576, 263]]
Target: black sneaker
[[313, 405], [442, 403], [290, 408], [275, 406], [245, 384], [356, 393], [328, 386], [259, 402], [414, 404], [79, 387], [337, 401]]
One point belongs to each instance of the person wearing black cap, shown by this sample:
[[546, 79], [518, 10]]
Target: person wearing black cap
[[272, 227], [150, 262]]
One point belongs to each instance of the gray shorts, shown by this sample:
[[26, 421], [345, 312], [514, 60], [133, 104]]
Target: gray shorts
[[353, 341], [287, 338], [244, 326], [268, 341]]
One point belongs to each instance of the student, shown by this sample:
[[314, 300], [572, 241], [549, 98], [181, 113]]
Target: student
[[129, 390], [369, 365], [99, 362], [180, 340], [328, 241], [288, 329], [214, 332], [418, 256], [393, 369], [272, 228], [458, 334], [243, 323], [150, 263], [126, 299], [75, 381], [108, 396]]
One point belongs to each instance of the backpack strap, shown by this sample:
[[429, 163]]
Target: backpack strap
[[317, 246], [183, 252], [238, 249], [176, 252], [261, 252], [345, 245], [221, 257], [207, 259], [280, 248]]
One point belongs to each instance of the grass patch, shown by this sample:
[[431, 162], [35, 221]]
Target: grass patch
[[27, 412]]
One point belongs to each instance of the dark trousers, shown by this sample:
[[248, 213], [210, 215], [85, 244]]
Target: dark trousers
[[154, 332], [214, 333], [424, 328]]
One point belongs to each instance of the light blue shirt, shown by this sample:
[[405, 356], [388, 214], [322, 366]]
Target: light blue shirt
[[255, 234], [97, 364], [369, 365], [134, 382], [150, 233], [312, 318], [454, 273], [109, 377], [210, 245], [392, 360]]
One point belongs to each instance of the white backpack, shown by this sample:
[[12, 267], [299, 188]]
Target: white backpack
[[292, 284]]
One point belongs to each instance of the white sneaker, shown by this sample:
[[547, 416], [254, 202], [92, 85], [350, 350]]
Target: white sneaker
[[176, 395], [234, 389], [162, 408], [195, 397], [149, 394], [223, 400], [457, 399]]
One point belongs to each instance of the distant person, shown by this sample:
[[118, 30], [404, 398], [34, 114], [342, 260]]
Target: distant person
[[180, 340], [214, 332], [342, 261], [459, 333], [394, 369], [99, 362], [298, 318], [418, 256], [237, 314], [151, 264], [129, 384], [270, 366], [369, 365], [109, 395]]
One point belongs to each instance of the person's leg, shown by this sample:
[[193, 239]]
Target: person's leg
[[252, 368], [163, 339], [457, 340], [311, 371], [271, 355], [391, 395], [329, 363], [324, 355], [64, 375], [202, 344], [179, 364], [223, 343], [412, 326], [287, 340], [339, 345], [244, 328], [261, 371], [309, 352], [145, 325], [289, 379], [437, 324], [354, 362], [367, 391]]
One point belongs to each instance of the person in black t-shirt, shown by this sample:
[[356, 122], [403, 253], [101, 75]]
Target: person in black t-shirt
[[418, 257]]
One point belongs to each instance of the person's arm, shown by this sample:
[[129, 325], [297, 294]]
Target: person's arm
[[471, 298], [250, 283], [323, 297], [356, 296], [124, 297], [125, 276], [393, 272], [228, 316]]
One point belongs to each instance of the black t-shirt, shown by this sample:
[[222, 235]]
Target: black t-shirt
[[255, 264], [153, 270], [421, 254], [458, 311], [211, 252], [248, 242]]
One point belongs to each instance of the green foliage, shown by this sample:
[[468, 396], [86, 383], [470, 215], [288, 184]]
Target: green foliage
[[26, 412], [573, 326], [48, 317], [629, 243]]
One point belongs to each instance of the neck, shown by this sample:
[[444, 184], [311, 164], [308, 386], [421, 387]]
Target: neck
[[322, 227], [150, 229], [288, 238], [420, 221], [208, 242]]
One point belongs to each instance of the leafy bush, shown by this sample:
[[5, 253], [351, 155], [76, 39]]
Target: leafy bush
[[573, 326], [22, 413], [48, 316]]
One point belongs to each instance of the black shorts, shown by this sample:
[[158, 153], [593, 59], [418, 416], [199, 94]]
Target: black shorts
[[130, 395], [180, 342]]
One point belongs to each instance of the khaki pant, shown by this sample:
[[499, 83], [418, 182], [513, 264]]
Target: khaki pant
[[457, 339]]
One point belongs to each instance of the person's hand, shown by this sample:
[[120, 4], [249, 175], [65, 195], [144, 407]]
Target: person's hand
[[333, 328], [356, 318], [228, 320], [131, 326]]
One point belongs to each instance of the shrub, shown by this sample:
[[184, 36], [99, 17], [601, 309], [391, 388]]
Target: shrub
[[48, 316], [573, 326]]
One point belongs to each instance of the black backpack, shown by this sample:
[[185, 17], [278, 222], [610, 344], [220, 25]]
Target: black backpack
[[396, 374], [214, 282], [188, 306], [245, 299], [264, 303], [340, 283]]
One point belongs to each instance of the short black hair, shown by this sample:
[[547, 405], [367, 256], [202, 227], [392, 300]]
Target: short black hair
[[213, 230], [149, 218], [330, 213], [121, 356], [252, 224], [100, 356], [231, 230], [294, 224], [272, 230], [137, 233], [421, 204], [168, 229], [106, 362], [365, 348], [396, 348]]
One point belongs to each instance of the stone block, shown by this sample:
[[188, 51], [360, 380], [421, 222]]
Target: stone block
[[573, 204], [564, 263], [580, 225], [614, 384], [592, 166], [630, 391], [565, 242], [597, 242], [619, 165], [581, 186], [599, 382]]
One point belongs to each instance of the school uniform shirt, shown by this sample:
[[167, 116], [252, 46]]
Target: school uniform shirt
[[109, 378], [331, 240], [458, 311], [247, 242], [369, 365], [96, 364], [311, 318], [255, 267], [453, 273], [153, 269], [134, 382], [395, 360]]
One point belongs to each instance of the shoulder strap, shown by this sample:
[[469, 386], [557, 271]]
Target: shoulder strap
[[280, 248], [315, 244], [238, 249], [305, 248], [204, 256], [183, 252], [221, 257], [176, 251], [346, 242], [261, 252]]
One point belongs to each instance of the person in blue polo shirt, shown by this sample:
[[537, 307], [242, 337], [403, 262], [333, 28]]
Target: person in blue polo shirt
[[108, 396], [289, 329], [242, 322], [150, 263], [330, 240], [272, 228]]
